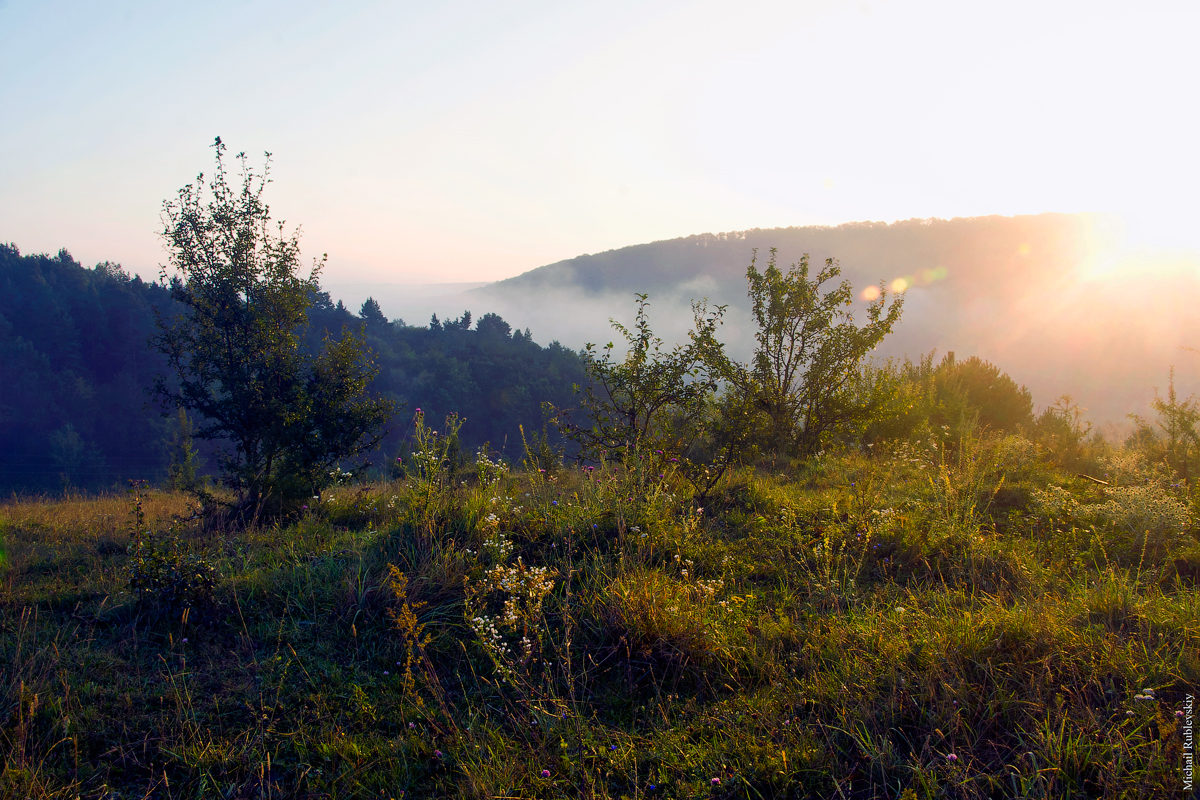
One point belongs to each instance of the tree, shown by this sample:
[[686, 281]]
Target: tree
[[183, 471], [1002, 405], [1180, 421], [371, 313], [493, 325], [650, 392], [287, 414], [809, 351]]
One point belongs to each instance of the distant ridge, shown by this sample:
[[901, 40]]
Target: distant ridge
[[1025, 292], [866, 251]]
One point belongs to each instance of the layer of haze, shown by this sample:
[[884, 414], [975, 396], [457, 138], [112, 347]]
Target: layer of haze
[[1056, 300], [449, 141]]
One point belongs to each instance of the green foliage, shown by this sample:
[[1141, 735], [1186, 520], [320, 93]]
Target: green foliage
[[496, 380], [594, 631], [183, 471], [1179, 444], [1142, 516], [163, 576], [435, 460], [1063, 431], [630, 397], [73, 352], [809, 353], [287, 415], [726, 433], [74, 364], [73, 457], [1000, 404]]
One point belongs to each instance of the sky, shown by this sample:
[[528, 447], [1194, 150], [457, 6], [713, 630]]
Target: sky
[[453, 141]]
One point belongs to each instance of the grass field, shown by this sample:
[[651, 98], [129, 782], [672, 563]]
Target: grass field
[[947, 619]]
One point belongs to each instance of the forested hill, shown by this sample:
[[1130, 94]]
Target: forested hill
[[1007, 252], [75, 365], [494, 377], [1050, 298]]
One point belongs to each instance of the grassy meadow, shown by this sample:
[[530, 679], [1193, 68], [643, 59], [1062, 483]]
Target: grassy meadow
[[964, 616]]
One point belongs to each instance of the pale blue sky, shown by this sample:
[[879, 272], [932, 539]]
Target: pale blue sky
[[459, 141]]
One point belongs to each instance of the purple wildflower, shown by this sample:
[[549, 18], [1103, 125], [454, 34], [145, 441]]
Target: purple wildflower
[[545, 773]]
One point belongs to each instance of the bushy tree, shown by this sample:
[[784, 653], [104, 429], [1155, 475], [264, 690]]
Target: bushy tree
[[493, 325], [1063, 431], [287, 415], [806, 366], [1001, 404], [649, 392]]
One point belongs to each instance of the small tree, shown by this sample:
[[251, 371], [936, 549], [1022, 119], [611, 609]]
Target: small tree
[[287, 415], [631, 398], [371, 313], [183, 471], [1001, 403], [809, 351], [1180, 421]]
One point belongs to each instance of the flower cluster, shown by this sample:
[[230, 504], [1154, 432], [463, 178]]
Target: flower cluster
[[488, 471], [504, 608], [1147, 507], [497, 548], [1055, 502]]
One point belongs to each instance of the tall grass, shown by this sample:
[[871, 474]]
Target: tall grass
[[959, 620]]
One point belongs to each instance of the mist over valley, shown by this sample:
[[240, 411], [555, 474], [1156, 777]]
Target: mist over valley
[[1053, 299]]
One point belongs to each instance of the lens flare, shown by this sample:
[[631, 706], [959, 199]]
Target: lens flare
[[922, 277]]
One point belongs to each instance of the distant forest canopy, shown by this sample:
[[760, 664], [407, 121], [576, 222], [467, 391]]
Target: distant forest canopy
[[75, 363], [1039, 295]]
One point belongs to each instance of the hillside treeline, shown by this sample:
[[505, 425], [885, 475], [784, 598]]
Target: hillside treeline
[[75, 365], [493, 377]]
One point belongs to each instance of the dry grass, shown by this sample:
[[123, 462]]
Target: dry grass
[[55, 520]]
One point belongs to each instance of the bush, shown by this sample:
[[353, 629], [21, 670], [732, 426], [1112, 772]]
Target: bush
[[162, 575]]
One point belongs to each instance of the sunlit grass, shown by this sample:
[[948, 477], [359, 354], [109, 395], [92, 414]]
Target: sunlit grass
[[883, 625]]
